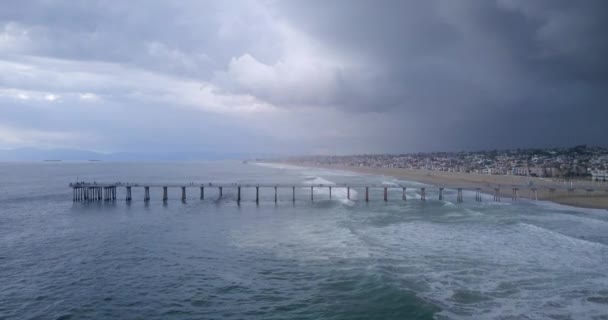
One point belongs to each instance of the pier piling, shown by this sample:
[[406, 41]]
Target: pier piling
[[497, 194], [97, 192], [533, 192]]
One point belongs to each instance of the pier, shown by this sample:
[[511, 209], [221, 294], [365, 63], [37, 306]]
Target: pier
[[97, 192]]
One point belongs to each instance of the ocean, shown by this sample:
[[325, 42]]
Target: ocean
[[327, 259]]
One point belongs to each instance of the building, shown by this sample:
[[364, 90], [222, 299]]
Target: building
[[493, 171], [600, 175], [519, 171], [536, 171]]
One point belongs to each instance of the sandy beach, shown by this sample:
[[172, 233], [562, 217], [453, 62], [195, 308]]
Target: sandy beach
[[597, 199]]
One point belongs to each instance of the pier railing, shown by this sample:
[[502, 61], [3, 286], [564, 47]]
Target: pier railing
[[87, 191]]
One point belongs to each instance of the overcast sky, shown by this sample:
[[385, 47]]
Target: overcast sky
[[303, 76]]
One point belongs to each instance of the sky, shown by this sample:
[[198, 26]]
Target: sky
[[303, 77]]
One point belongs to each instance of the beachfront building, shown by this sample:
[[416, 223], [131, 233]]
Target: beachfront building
[[600, 175], [537, 172], [493, 171], [519, 171], [534, 171]]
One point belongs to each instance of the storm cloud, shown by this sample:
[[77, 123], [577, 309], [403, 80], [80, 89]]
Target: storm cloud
[[303, 76]]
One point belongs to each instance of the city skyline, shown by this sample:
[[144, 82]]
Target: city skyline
[[302, 77]]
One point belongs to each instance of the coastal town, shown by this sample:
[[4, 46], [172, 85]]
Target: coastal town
[[579, 162]]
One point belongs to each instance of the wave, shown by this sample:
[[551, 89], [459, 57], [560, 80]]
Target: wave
[[564, 207], [569, 239], [278, 165], [337, 193], [318, 180]]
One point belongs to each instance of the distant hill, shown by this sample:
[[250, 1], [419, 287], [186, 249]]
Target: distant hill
[[34, 154]]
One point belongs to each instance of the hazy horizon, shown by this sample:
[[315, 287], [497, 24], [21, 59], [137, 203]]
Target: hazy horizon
[[37, 154]]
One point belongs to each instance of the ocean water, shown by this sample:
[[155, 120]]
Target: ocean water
[[337, 259]]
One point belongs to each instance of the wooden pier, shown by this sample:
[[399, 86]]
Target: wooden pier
[[95, 192]]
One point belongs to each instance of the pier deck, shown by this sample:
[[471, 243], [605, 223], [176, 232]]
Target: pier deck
[[104, 191]]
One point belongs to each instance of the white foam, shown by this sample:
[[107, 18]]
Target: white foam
[[473, 212], [538, 266], [560, 236], [563, 207], [278, 165], [337, 193], [333, 172], [304, 240], [318, 180], [346, 202]]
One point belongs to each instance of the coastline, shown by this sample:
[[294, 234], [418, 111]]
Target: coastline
[[579, 198]]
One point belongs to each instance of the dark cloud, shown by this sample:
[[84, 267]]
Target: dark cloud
[[519, 71], [356, 75]]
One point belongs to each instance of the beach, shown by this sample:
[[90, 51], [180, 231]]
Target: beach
[[579, 197]]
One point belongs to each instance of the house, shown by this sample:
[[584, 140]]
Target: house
[[599, 175], [519, 171], [493, 171], [536, 171]]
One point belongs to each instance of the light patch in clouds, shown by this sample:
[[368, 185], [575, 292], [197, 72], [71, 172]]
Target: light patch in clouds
[[17, 94], [305, 72], [39, 96], [51, 97], [123, 84], [18, 137], [89, 97], [285, 82], [13, 37]]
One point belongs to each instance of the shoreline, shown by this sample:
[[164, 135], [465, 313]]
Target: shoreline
[[579, 198]]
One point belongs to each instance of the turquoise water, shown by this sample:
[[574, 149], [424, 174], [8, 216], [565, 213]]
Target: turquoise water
[[327, 259]]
